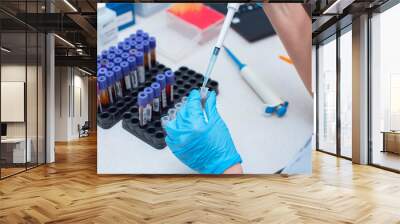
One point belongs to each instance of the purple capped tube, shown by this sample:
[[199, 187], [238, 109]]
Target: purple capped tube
[[118, 81], [142, 102], [161, 80], [156, 97], [150, 95], [126, 71], [140, 67], [134, 76], [170, 82]]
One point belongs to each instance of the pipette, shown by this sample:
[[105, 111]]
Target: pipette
[[232, 9], [274, 104]]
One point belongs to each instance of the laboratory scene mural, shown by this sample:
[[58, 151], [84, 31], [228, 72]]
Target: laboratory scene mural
[[204, 88]]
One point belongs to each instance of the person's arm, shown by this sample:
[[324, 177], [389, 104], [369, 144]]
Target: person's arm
[[293, 26], [235, 169]]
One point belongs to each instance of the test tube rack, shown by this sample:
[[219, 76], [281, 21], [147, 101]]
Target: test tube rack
[[127, 110]]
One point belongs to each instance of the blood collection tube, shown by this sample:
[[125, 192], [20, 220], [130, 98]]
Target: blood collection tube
[[161, 80], [134, 76], [132, 36], [109, 66], [145, 36], [118, 52], [110, 77], [125, 56], [138, 40], [140, 67], [142, 101], [170, 82], [139, 32], [126, 71], [132, 43], [117, 61], [99, 106], [110, 57], [156, 97], [119, 88], [139, 47], [104, 62], [104, 54], [132, 51], [150, 96], [126, 47], [146, 53], [112, 49], [102, 93], [153, 60], [120, 45]]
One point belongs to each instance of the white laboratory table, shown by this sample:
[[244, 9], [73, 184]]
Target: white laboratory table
[[266, 144]]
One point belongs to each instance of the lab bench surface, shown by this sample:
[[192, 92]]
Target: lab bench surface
[[266, 144]]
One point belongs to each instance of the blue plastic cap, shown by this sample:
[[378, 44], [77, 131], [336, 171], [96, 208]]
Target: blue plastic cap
[[104, 62], [132, 51], [109, 65], [139, 32], [139, 39], [99, 66], [110, 78], [170, 77], [132, 62], [112, 49], [118, 52], [139, 58], [120, 45], [126, 47], [132, 36], [150, 93], [146, 46], [118, 72], [110, 57], [139, 47], [145, 36], [102, 82], [161, 80], [125, 55], [101, 72], [132, 43], [142, 99], [125, 67], [152, 41], [104, 54], [156, 88], [117, 60]]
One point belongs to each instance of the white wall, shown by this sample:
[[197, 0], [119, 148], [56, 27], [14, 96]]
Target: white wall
[[70, 83]]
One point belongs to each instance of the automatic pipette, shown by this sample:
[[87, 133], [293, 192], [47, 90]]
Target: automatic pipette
[[232, 9], [274, 104]]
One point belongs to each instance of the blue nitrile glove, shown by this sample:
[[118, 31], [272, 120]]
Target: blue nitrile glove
[[206, 147]]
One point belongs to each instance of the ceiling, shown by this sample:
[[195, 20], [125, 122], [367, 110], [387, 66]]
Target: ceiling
[[74, 22]]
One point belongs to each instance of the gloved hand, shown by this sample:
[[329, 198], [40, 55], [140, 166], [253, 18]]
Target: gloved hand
[[206, 147]]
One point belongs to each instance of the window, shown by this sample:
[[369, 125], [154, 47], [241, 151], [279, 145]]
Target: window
[[346, 93], [327, 96], [385, 89]]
